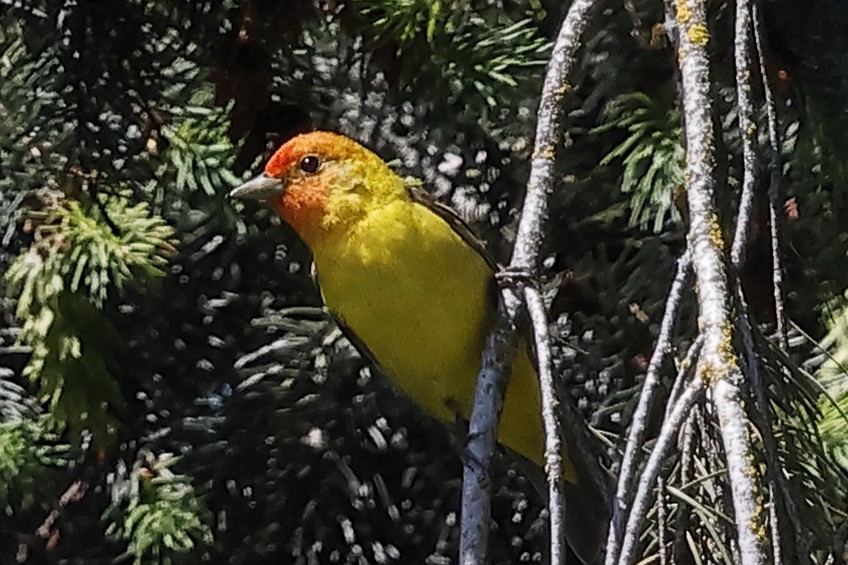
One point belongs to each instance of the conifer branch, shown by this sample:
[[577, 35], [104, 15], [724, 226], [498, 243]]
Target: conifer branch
[[494, 372]]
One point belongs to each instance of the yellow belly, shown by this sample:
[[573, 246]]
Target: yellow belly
[[418, 296]]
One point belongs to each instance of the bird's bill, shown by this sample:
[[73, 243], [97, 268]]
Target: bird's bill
[[258, 188]]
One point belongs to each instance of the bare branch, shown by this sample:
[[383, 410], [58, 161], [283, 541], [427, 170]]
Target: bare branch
[[719, 365], [548, 134], [747, 128], [553, 443], [491, 381], [683, 371], [743, 61], [775, 167], [649, 475], [482, 426], [639, 422], [687, 451]]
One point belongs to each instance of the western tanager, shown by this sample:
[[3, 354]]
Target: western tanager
[[408, 280]]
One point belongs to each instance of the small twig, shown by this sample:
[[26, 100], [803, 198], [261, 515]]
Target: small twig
[[774, 182], [661, 521], [494, 372], [649, 475], [748, 129], [687, 451], [687, 366], [553, 444], [639, 420]]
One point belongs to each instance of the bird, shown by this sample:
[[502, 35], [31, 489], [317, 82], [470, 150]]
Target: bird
[[413, 287]]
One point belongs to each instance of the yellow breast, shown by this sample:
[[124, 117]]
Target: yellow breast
[[418, 296]]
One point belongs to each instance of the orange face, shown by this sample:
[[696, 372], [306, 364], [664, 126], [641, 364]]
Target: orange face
[[319, 182], [305, 164]]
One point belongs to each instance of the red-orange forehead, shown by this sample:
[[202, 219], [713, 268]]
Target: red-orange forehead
[[322, 143]]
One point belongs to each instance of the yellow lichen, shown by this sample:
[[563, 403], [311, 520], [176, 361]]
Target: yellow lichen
[[545, 153], [715, 235], [698, 35], [726, 352], [684, 14], [563, 90], [708, 372]]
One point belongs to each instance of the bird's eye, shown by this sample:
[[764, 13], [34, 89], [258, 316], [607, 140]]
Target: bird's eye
[[310, 164]]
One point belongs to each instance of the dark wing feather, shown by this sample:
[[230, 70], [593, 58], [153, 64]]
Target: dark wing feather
[[458, 225]]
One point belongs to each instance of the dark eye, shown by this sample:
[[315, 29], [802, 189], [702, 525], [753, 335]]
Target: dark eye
[[310, 164]]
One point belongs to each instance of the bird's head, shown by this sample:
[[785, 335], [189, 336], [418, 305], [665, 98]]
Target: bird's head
[[322, 183]]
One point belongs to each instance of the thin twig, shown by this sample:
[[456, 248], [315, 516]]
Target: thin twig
[[639, 421], [687, 451], [661, 521], [719, 365], [670, 429], [775, 168], [687, 366], [491, 381], [553, 444], [748, 129]]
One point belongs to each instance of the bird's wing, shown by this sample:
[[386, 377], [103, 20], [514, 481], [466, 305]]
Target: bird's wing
[[421, 196], [351, 336]]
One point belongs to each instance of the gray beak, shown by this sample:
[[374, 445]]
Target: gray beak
[[259, 188]]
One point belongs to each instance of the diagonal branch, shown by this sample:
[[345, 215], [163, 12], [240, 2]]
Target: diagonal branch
[[494, 371], [639, 424], [648, 479]]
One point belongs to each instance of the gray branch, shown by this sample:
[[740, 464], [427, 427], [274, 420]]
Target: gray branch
[[719, 364], [747, 128], [494, 371], [775, 168], [639, 424], [553, 443], [648, 478]]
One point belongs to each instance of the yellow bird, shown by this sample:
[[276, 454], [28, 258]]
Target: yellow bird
[[407, 278]]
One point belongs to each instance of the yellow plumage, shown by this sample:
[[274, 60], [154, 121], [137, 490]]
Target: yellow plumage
[[415, 288], [401, 273], [419, 297]]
